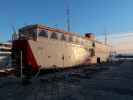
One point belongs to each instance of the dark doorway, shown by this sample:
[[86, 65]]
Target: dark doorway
[[98, 60]]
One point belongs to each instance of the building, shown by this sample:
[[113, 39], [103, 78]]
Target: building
[[5, 54]]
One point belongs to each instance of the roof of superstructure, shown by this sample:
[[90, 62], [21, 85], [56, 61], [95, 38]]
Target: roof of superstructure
[[47, 28]]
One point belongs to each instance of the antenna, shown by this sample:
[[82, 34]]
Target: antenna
[[68, 15], [14, 35], [13, 28], [105, 36]]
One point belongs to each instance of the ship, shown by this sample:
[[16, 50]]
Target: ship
[[39, 47]]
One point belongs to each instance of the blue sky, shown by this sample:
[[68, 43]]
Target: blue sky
[[96, 16]]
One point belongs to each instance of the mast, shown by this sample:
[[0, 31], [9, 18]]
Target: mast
[[105, 38], [68, 15]]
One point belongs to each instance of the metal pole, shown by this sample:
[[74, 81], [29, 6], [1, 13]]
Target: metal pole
[[21, 64], [63, 60], [105, 38], [68, 16], [105, 34]]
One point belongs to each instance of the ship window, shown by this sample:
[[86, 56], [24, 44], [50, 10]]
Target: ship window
[[92, 52], [63, 37], [54, 36], [34, 34], [93, 44], [43, 33]]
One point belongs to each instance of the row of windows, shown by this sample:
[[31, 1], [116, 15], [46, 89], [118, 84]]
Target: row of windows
[[59, 36], [55, 36], [64, 38]]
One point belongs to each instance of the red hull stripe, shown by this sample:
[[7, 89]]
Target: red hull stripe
[[31, 58], [28, 55]]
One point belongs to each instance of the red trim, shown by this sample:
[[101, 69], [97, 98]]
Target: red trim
[[28, 55], [31, 58]]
